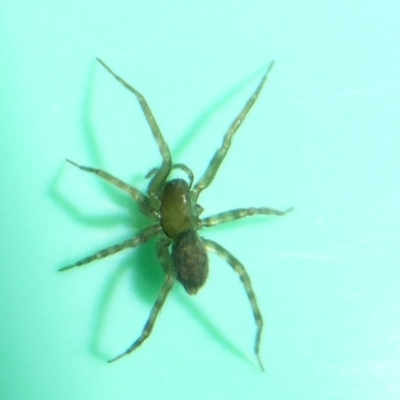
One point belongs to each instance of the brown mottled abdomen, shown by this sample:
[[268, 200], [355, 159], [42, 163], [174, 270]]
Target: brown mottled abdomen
[[190, 259]]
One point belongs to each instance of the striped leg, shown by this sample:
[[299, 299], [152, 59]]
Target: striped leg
[[244, 277], [161, 174], [231, 215], [144, 236], [165, 259], [220, 154], [136, 194]]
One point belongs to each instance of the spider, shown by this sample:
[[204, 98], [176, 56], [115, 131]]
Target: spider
[[172, 207]]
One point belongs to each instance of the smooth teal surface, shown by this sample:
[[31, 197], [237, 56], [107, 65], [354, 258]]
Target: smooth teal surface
[[323, 137]]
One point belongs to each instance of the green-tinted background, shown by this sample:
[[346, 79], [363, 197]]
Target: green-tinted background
[[323, 137]]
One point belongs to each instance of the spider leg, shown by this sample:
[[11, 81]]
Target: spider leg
[[166, 261], [144, 236], [220, 154], [161, 173], [244, 277], [136, 194], [231, 215], [183, 167]]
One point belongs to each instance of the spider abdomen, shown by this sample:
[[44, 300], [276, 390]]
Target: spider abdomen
[[190, 260]]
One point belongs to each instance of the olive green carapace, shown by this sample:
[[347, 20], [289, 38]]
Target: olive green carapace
[[174, 215], [176, 211]]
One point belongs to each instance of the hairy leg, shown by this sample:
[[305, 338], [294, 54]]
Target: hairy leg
[[220, 154], [238, 213], [144, 236], [165, 259], [244, 277], [143, 200], [162, 173]]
